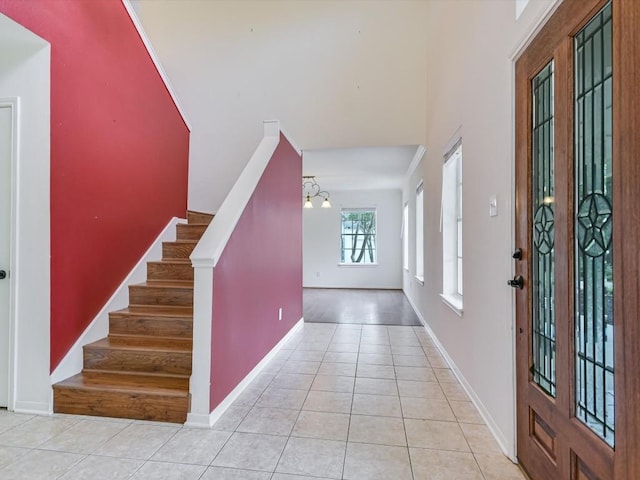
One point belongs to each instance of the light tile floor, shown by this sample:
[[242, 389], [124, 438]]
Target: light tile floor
[[338, 402]]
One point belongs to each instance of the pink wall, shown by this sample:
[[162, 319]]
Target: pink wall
[[259, 271], [119, 154]]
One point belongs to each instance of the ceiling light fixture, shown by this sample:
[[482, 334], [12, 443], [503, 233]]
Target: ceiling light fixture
[[311, 189]]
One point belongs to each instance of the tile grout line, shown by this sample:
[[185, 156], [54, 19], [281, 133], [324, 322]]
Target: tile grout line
[[299, 412], [473, 455], [235, 429], [406, 436], [353, 393]]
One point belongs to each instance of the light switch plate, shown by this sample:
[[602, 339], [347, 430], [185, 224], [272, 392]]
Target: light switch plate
[[493, 206]]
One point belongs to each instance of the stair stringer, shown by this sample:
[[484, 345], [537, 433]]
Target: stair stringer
[[72, 362]]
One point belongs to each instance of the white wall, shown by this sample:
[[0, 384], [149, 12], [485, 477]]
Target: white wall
[[321, 242], [470, 88], [24, 72], [337, 74]]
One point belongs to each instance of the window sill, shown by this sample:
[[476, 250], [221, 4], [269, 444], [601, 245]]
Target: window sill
[[454, 302], [420, 280], [357, 264]]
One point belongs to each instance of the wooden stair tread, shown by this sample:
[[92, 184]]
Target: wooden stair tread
[[143, 343], [125, 383], [172, 261], [190, 231], [169, 311], [198, 217], [180, 249], [186, 284]]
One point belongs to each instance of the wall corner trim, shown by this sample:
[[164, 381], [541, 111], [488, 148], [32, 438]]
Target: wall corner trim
[[420, 151], [156, 60], [538, 23], [289, 139], [207, 421], [33, 408]]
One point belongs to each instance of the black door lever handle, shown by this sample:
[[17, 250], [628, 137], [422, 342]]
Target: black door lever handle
[[3, 274], [517, 282]]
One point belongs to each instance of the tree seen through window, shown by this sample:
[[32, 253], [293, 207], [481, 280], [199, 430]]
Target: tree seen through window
[[358, 236]]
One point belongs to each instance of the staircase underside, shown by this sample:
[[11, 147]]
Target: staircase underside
[[142, 369]]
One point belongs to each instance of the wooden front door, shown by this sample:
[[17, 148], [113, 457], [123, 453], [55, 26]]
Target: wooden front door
[[578, 230]]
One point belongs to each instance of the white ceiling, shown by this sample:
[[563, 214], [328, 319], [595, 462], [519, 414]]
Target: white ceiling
[[366, 168]]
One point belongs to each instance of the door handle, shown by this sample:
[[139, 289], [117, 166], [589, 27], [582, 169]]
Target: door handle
[[517, 254], [3, 274], [516, 282]]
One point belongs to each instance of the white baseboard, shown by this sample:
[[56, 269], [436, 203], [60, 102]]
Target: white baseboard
[[71, 364], [207, 421], [418, 313], [484, 413], [357, 287], [33, 408]]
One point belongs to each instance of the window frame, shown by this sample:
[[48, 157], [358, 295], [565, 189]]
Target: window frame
[[374, 210], [419, 248], [405, 236], [452, 228]]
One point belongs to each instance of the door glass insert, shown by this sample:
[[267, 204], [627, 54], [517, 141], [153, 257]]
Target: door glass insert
[[593, 227], [543, 335]]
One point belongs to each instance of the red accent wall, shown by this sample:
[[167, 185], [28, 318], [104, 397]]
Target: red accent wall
[[119, 154], [259, 272]]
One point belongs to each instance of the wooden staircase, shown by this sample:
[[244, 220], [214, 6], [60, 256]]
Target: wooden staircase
[[141, 370]]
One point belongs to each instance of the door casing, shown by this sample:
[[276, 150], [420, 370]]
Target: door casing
[[13, 105]]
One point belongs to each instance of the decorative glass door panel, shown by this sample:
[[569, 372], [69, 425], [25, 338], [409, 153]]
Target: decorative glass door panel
[[594, 322], [543, 333]]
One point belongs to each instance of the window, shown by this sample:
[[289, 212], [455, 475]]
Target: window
[[419, 233], [405, 237], [452, 227], [358, 236]]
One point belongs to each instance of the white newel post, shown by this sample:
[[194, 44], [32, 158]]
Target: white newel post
[[201, 359]]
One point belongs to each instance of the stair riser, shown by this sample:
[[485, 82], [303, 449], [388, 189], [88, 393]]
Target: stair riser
[[177, 250], [161, 327], [189, 232], [130, 341], [119, 378], [169, 271], [159, 295], [199, 218], [119, 404], [137, 361]]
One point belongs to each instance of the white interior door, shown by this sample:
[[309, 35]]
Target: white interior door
[[6, 141]]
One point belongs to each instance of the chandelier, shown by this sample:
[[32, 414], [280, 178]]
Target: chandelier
[[311, 189]]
